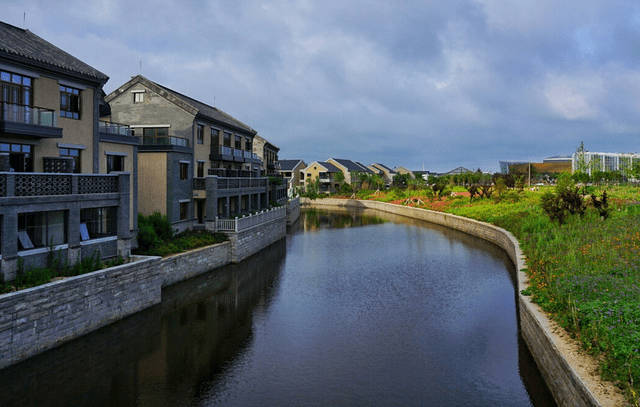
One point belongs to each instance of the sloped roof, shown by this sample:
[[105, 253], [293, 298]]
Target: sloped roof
[[289, 165], [203, 110], [380, 165], [26, 47], [328, 166], [351, 166], [459, 170]]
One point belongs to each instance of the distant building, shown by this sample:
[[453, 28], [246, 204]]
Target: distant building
[[268, 154], [594, 162], [402, 170], [325, 173], [292, 171], [349, 168], [386, 172]]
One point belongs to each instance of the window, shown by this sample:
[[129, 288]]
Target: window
[[247, 144], [98, 222], [138, 97], [115, 163], [215, 137], [41, 229], [227, 139], [20, 156], [74, 153], [184, 210], [15, 88], [200, 134], [200, 169], [238, 143], [155, 131], [69, 102], [184, 171]]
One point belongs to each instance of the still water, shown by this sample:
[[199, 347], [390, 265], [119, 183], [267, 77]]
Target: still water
[[349, 310]]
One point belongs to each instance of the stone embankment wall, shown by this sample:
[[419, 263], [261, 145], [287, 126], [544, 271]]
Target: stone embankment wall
[[183, 266], [293, 211], [251, 240], [39, 318], [566, 376]]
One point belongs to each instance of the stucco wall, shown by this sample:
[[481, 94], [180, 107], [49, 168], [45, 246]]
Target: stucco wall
[[152, 183], [566, 376]]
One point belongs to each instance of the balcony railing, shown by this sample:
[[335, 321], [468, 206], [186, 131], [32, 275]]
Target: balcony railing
[[239, 224], [233, 152], [223, 172], [164, 141], [39, 184], [13, 112], [115, 128]]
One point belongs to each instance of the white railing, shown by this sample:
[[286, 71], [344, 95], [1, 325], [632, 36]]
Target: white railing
[[240, 224]]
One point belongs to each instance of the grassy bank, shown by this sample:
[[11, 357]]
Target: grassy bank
[[584, 273]]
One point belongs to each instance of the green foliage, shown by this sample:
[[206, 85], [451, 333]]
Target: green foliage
[[565, 201], [187, 240], [275, 181]]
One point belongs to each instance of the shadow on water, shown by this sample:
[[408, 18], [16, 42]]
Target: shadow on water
[[160, 356]]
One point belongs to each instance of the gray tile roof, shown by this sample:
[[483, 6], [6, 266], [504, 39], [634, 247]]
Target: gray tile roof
[[352, 166], [330, 167], [28, 48], [204, 110], [288, 165]]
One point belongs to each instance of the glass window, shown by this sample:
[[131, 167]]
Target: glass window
[[227, 139], [184, 209], [247, 144], [200, 169], [73, 153], [215, 137], [200, 134], [138, 97], [238, 142], [98, 222], [69, 102], [42, 229], [184, 171], [115, 163]]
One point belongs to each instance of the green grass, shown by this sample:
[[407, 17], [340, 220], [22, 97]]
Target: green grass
[[585, 273], [187, 240]]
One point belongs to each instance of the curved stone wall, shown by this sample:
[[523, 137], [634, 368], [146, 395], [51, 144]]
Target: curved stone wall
[[566, 373]]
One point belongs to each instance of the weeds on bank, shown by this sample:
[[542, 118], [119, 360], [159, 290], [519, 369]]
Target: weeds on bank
[[27, 277]]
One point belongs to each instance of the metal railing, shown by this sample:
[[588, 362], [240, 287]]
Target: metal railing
[[164, 141], [115, 128], [240, 224], [13, 112]]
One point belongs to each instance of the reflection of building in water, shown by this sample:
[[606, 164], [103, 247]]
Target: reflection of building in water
[[314, 219], [156, 356], [206, 322]]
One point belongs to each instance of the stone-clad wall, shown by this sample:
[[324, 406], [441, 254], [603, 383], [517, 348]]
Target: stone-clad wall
[[183, 266], [40, 318], [252, 240], [559, 371], [293, 211]]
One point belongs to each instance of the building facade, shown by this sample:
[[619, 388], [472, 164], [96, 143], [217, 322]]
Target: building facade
[[57, 189], [182, 142]]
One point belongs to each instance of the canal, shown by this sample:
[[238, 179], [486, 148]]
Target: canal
[[353, 308]]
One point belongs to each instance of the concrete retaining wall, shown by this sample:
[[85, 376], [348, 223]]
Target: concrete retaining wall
[[559, 370], [40, 318], [253, 239], [183, 266]]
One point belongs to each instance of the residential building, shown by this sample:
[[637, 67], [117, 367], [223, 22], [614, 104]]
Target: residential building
[[268, 154], [386, 172], [350, 168], [60, 187], [292, 171], [402, 170], [325, 173], [182, 142]]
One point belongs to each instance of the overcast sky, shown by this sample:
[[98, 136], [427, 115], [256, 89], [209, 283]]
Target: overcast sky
[[429, 83]]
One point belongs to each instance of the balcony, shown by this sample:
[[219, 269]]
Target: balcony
[[117, 133], [16, 184], [21, 120], [222, 172], [223, 153], [163, 143]]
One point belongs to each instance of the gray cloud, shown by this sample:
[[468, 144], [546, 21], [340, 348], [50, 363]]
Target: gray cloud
[[411, 83]]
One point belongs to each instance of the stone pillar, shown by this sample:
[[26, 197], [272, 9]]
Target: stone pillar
[[211, 204], [124, 230]]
